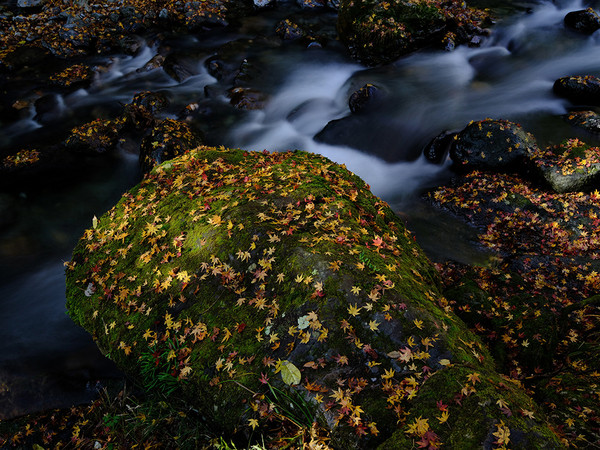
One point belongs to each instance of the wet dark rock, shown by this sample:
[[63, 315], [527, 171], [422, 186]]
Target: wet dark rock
[[263, 4], [585, 21], [179, 67], [130, 45], [370, 133], [333, 4], [311, 4], [288, 30], [154, 102], [587, 120], [581, 90], [8, 212], [97, 136], [73, 77], [247, 98], [77, 35], [439, 147], [226, 63], [198, 18], [449, 42], [29, 4], [363, 98], [168, 139], [26, 59], [491, 145], [156, 62], [48, 108]]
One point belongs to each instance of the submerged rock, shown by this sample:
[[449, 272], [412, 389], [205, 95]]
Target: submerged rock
[[227, 276], [247, 98], [491, 145], [585, 21], [581, 90], [288, 30], [363, 98]]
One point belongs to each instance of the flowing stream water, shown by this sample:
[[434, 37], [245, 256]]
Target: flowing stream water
[[46, 361]]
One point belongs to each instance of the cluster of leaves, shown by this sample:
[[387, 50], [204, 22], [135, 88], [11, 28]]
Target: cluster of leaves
[[76, 74], [570, 157], [24, 157], [538, 307], [98, 135]]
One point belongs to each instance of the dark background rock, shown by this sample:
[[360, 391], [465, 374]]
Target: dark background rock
[[167, 140], [491, 145], [439, 147], [581, 90], [363, 98], [585, 21], [587, 120]]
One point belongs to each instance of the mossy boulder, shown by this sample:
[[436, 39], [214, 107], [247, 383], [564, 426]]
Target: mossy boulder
[[569, 167], [227, 276], [380, 31]]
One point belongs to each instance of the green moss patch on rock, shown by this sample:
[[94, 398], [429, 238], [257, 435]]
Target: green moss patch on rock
[[239, 273], [570, 166]]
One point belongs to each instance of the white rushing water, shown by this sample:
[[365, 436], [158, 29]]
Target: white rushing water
[[510, 77]]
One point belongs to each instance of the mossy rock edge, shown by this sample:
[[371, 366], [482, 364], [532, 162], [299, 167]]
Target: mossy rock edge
[[225, 271]]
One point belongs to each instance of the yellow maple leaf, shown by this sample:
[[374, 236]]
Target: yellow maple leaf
[[419, 427], [444, 417], [502, 433], [473, 377], [373, 325], [353, 310], [253, 423]]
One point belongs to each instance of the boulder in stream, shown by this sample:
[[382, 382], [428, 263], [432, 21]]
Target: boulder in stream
[[581, 90], [167, 139], [379, 32], [569, 167], [489, 144], [585, 21], [363, 98], [240, 281]]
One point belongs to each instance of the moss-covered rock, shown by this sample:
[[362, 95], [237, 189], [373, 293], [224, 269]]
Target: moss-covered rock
[[569, 167], [380, 31], [242, 281]]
